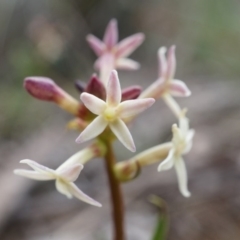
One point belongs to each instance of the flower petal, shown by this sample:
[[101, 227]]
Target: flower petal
[[189, 142], [70, 173], [111, 34], [171, 63], [96, 44], [121, 131], [178, 136], [38, 167], [76, 192], [155, 90], [94, 104], [130, 108], [168, 162], [182, 177], [114, 93], [162, 62], [63, 188], [127, 64], [129, 44], [33, 175], [95, 128], [178, 88], [106, 65]]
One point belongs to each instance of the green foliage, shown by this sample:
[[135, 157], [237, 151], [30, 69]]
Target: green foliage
[[161, 229]]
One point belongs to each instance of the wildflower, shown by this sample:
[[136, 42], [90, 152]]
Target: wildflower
[[64, 177], [166, 84], [113, 54], [112, 113], [182, 144]]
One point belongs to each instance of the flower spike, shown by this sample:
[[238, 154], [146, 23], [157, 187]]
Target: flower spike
[[181, 145], [64, 177], [111, 54], [112, 113]]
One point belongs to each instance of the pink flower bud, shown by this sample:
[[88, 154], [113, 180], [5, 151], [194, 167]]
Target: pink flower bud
[[46, 89], [43, 88], [131, 92], [96, 87]]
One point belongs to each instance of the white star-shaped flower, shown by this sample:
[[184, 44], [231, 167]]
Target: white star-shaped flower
[[166, 84], [112, 113], [182, 144], [64, 177]]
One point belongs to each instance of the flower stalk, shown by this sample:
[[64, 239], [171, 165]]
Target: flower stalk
[[116, 194]]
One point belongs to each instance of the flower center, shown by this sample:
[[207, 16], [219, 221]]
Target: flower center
[[110, 114]]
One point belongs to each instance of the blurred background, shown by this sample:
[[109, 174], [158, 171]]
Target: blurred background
[[47, 38]]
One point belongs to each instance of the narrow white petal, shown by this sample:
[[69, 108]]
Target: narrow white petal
[[76, 192], [78, 158], [127, 64], [121, 131], [96, 44], [94, 104], [167, 163], [114, 93], [162, 62], [63, 188], [70, 173], [129, 44], [111, 34], [182, 177], [38, 167], [130, 108], [33, 175], [190, 135], [95, 128], [178, 88], [171, 62], [189, 142]]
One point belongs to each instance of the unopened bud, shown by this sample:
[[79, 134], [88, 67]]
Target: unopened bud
[[43, 88], [131, 93], [46, 89], [127, 170], [96, 87]]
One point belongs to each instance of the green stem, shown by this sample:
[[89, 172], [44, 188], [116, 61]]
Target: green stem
[[116, 194]]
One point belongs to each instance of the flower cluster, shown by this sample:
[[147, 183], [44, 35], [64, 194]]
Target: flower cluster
[[105, 111]]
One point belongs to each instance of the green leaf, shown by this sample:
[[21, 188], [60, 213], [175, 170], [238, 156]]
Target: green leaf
[[161, 229]]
